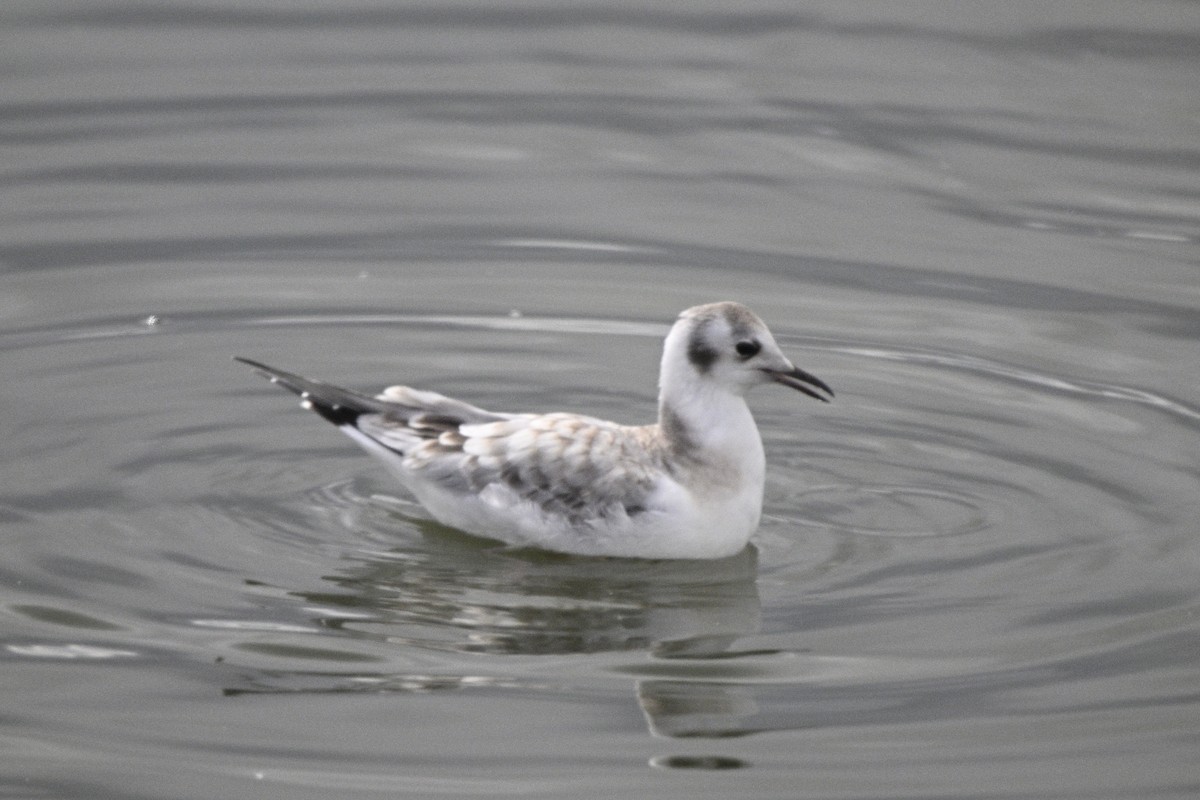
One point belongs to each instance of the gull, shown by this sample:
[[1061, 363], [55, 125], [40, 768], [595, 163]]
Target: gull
[[689, 486]]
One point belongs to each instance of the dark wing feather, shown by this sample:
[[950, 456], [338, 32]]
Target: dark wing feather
[[339, 406], [398, 419]]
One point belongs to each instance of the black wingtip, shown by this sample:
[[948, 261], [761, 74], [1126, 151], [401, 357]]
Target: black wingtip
[[334, 404], [259, 367], [297, 384]]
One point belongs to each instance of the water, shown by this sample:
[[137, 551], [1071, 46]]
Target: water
[[976, 574]]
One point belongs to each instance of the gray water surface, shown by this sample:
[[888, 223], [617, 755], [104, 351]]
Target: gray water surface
[[977, 570]]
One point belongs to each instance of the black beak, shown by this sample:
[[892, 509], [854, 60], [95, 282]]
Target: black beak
[[801, 381]]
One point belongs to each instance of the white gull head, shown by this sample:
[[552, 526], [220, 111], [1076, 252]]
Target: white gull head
[[725, 346]]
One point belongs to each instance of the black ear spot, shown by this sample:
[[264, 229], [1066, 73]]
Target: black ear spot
[[748, 348], [700, 353]]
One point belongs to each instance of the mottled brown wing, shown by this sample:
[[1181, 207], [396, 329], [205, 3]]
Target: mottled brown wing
[[577, 467]]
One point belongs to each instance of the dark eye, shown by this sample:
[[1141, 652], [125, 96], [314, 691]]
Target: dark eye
[[748, 348]]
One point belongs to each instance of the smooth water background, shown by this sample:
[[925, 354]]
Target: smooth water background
[[978, 571]]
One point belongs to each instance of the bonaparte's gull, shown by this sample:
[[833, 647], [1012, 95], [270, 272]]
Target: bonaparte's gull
[[687, 486]]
